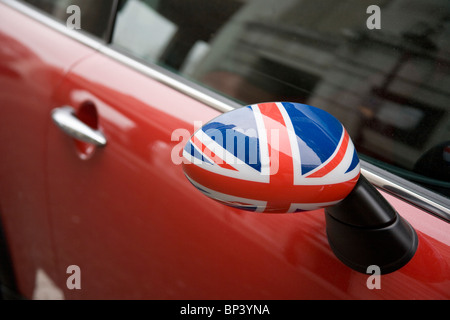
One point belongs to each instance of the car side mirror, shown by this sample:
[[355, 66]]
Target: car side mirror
[[285, 157]]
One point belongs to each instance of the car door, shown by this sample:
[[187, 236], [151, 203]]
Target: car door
[[130, 220]]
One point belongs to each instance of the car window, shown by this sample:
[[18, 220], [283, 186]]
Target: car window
[[91, 16], [381, 67]]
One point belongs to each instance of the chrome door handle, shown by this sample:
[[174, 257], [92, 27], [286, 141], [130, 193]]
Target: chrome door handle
[[65, 118]]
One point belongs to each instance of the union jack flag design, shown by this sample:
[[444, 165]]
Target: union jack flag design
[[273, 157]]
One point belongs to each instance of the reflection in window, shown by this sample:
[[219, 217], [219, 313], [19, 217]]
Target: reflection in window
[[133, 24], [389, 87]]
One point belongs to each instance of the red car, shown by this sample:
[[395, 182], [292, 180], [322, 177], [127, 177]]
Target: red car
[[99, 98]]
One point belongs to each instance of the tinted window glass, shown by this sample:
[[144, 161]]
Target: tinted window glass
[[94, 15], [384, 73]]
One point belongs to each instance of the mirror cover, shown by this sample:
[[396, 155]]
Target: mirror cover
[[273, 157]]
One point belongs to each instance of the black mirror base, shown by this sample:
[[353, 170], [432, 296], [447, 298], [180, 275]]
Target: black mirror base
[[389, 248], [364, 230]]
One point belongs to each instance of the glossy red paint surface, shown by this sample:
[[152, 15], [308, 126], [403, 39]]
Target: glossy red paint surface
[[129, 218]]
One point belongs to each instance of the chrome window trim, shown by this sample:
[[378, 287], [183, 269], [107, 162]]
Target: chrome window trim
[[172, 80], [435, 204], [408, 191]]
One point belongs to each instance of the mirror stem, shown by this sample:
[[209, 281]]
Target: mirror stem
[[364, 229]]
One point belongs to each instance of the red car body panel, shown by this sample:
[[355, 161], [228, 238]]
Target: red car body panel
[[129, 218]]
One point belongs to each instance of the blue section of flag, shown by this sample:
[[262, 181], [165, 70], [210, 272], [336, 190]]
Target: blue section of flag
[[354, 163], [243, 144], [311, 123]]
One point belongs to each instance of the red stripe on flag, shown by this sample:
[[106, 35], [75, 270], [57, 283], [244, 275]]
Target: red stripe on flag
[[280, 153]]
